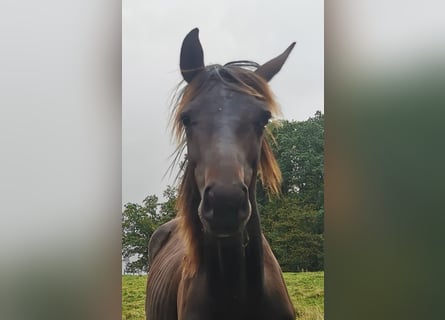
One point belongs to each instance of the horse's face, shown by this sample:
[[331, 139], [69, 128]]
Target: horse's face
[[224, 131]]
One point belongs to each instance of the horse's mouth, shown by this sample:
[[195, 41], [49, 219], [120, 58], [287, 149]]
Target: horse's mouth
[[235, 237], [225, 235], [222, 233]]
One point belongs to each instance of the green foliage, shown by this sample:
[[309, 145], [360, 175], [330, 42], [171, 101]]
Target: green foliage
[[168, 208], [299, 149], [295, 233], [305, 289], [138, 224], [293, 222]]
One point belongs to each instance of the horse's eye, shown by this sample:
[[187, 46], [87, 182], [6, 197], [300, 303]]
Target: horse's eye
[[264, 120], [185, 120]]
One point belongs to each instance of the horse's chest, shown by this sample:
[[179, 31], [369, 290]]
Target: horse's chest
[[201, 301]]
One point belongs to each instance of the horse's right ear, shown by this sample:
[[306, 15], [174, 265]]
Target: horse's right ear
[[192, 56]]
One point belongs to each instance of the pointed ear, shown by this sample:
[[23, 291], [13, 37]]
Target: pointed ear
[[271, 68], [192, 56]]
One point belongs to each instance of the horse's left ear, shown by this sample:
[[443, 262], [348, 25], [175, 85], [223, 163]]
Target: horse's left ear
[[192, 56], [268, 70]]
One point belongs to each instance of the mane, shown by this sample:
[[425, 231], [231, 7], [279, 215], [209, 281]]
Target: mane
[[238, 76]]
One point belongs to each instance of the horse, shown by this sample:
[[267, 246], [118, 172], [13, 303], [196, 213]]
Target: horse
[[212, 261]]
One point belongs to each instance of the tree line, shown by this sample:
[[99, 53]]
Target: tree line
[[291, 222]]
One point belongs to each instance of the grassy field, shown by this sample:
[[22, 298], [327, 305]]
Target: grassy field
[[306, 290]]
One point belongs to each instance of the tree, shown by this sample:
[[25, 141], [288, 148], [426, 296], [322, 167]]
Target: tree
[[168, 208], [138, 224], [293, 222], [295, 233], [299, 149], [137, 227]]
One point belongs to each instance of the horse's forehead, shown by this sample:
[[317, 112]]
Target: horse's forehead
[[220, 97]]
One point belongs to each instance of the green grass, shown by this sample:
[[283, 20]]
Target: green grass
[[306, 290], [133, 297]]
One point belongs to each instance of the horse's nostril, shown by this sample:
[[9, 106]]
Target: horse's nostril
[[225, 197], [208, 196], [225, 207], [207, 191]]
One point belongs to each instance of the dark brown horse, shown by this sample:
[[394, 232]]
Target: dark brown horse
[[212, 261]]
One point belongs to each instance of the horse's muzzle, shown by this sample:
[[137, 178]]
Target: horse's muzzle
[[224, 208]]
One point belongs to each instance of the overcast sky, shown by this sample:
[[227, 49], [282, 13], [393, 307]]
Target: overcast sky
[[152, 33]]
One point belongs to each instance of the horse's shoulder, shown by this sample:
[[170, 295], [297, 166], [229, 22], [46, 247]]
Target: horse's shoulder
[[277, 301], [160, 237]]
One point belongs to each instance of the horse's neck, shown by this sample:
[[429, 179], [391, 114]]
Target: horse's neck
[[234, 267], [225, 267]]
